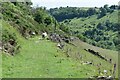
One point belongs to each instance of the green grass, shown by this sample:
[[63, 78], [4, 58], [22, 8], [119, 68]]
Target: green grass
[[37, 59], [41, 58], [85, 26], [80, 46], [79, 23]]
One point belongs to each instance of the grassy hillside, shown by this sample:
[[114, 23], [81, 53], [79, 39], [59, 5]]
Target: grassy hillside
[[41, 58], [24, 55], [79, 22], [39, 61], [101, 32], [63, 13], [22, 17]]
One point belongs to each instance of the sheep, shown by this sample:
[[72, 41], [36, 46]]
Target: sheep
[[105, 71], [71, 38], [44, 35], [60, 45], [33, 33]]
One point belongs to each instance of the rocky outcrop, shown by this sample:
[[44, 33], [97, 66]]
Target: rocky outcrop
[[11, 47]]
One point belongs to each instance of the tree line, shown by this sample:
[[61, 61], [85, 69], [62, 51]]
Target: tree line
[[63, 13]]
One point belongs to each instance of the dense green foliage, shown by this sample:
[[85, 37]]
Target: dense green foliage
[[101, 32], [63, 13], [26, 20], [102, 39]]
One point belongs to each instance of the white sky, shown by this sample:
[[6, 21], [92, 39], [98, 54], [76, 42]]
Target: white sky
[[73, 3]]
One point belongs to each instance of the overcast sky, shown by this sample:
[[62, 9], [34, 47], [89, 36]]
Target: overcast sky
[[73, 3]]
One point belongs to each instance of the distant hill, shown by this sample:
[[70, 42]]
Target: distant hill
[[96, 26], [63, 13]]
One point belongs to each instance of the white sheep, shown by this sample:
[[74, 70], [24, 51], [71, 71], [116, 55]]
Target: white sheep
[[105, 71], [44, 35], [33, 33]]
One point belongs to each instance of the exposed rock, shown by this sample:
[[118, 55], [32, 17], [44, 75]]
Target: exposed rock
[[55, 37], [11, 49], [12, 42], [95, 53], [105, 78]]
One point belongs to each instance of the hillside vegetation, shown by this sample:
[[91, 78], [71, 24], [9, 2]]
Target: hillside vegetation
[[26, 54], [96, 26], [63, 13], [24, 19]]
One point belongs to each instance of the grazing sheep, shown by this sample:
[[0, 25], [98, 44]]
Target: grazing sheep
[[105, 71], [33, 33], [71, 38], [44, 35], [60, 45]]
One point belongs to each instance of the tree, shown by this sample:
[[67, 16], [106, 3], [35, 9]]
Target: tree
[[47, 21], [103, 12], [107, 8], [28, 2], [91, 11], [101, 26], [38, 18], [39, 15], [65, 28], [114, 7]]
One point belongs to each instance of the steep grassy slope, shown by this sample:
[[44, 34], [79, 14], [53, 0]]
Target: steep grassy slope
[[21, 16], [101, 32], [79, 22], [78, 53], [37, 59], [41, 59]]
